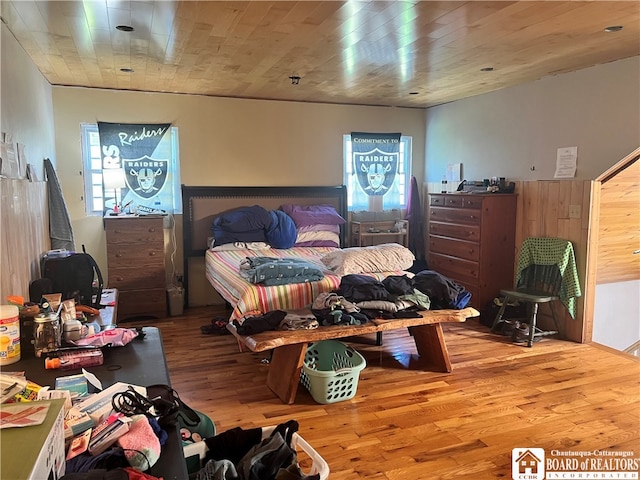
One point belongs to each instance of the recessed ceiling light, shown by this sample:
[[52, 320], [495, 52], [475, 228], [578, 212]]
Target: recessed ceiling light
[[127, 70], [614, 28], [124, 28], [413, 93], [487, 69]]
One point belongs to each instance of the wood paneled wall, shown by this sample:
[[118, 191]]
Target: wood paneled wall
[[558, 208], [619, 225], [24, 233]]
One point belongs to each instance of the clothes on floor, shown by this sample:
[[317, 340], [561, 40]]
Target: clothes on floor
[[239, 454]]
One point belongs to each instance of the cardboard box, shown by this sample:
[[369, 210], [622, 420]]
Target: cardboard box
[[98, 405], [35, 452]]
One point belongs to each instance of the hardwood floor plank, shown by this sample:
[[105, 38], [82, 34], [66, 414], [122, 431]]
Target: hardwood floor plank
[[409, 424]]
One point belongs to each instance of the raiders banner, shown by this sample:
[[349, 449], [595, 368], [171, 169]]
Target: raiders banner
[[143, 151], [375, 160]]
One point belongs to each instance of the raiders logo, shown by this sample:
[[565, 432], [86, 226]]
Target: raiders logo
[[146, 176], [376, 170]]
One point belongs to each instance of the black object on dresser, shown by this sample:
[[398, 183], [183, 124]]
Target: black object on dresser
[[471, 240]]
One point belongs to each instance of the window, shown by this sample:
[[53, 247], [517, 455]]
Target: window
[[398, 194], [96, 202]]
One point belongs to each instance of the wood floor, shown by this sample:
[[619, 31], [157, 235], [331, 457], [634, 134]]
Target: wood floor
[[407, 424]]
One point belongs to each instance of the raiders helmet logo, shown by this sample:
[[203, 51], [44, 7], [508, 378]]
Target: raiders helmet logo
[[376, 170], [146, 176]]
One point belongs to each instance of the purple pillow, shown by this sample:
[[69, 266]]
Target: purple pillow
[[306, 215]]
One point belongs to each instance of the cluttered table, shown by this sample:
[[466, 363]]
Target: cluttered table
[[140, 362]]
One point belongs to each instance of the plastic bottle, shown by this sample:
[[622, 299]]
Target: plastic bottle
[[444, 184], [72, 360], [9, 334]]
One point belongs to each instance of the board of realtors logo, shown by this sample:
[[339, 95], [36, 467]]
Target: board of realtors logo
[[376, 170], [146, 176], [527, 464]]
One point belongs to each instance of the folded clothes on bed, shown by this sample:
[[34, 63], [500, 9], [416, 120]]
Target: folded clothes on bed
[[279, 271]]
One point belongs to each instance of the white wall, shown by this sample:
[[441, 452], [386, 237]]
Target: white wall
[[26, 109], [507, 132], [26, 112], [616, 310]]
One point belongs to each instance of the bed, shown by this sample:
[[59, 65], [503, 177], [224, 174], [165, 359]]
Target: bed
[[203, 204]]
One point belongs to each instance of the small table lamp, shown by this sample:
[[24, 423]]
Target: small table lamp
[[113, 178]]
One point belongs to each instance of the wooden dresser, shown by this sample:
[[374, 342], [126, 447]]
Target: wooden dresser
[[135, 262], [471, 240]]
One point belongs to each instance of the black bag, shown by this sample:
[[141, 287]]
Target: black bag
[[73, 276]]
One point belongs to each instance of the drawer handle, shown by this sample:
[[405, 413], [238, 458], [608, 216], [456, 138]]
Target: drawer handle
[[119, 279], [472, 217], [152, 254], [152, 230], [118, 255]]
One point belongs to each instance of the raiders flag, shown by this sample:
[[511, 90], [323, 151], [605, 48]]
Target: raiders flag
[[141, 151], [375, 160]]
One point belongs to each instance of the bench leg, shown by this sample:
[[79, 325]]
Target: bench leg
[[431, 346], [284, 371]]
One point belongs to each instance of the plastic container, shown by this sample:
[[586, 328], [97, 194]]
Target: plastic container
[[176, 300], [9, 334], [73, 360], [47, 333], [331, 370], [194, 453]]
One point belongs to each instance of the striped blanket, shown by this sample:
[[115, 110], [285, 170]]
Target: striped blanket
[[247, 299]]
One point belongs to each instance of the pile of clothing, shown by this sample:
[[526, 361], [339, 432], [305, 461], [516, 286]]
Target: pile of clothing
[[239, 454], [361, 298]]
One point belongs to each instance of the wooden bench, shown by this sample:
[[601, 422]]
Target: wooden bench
[[289, 347]]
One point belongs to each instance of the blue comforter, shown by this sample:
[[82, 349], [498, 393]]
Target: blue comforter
[[254, 224], [279, 271]]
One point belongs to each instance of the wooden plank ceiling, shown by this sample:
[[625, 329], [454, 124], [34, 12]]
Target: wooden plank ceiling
[[395, 53]]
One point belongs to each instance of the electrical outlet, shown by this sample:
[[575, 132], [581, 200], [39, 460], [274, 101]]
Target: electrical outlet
[[574, 211]]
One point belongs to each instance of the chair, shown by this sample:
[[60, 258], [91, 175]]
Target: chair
[[546, 272]]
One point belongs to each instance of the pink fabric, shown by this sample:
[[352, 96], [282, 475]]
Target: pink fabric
[[140, 438]]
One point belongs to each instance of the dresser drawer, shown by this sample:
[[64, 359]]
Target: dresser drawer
[[151, 302], [472, 202], [455, 201], [463, 232], [140, 256], [136, 278], [142, 230], [454, 215], [454, 247], [436, 200], [453, 267]]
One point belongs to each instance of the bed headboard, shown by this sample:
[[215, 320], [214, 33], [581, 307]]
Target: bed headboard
[[202, 204]]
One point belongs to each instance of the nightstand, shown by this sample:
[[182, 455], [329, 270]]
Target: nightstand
[[377, 232]]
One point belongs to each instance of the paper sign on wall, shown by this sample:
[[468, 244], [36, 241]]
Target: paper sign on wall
[[566, 162]]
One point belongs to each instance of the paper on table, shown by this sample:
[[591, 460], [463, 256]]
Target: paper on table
[[23, 414], [566, 162]]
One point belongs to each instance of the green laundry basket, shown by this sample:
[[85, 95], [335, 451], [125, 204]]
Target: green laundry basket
[[331, 370]]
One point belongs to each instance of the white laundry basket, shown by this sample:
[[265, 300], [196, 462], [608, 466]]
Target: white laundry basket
[[300, 445]]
